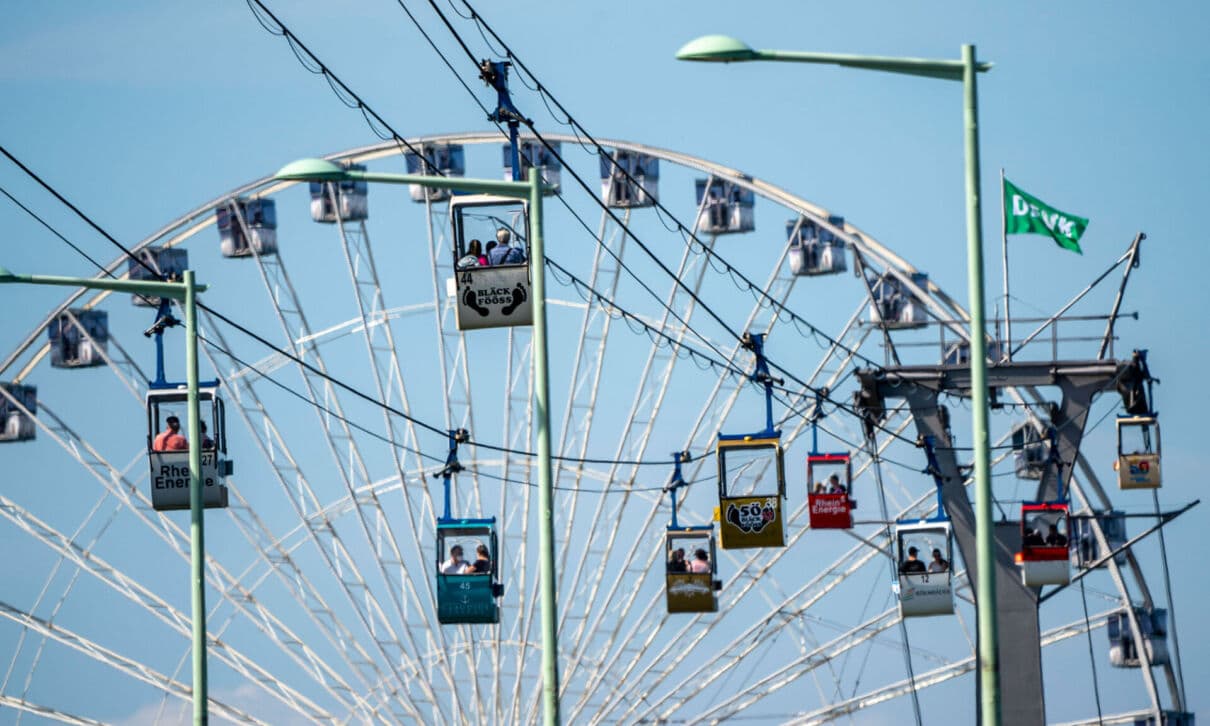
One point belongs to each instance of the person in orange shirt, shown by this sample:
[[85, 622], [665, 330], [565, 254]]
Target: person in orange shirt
[[170, 439]]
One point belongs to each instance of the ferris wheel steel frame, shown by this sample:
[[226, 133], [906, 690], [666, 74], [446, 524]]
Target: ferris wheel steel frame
[[422, 658]]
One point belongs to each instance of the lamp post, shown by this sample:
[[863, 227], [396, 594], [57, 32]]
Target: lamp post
[[723, 49], [322, 170], [184, 292]]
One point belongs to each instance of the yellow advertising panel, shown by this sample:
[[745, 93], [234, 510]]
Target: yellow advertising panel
[[1139, 471], [751, 522], [691, 593]]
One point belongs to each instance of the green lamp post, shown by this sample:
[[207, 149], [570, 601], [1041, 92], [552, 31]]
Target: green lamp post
[[184, 292], [322, 170], [724, 49]]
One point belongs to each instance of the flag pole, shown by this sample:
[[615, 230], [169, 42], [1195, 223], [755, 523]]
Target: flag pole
[[1007, 350]]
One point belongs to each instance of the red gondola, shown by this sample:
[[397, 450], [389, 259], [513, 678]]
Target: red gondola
[[829, 495]]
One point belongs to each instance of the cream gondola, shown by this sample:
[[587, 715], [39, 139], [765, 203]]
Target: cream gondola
[[690, 561]]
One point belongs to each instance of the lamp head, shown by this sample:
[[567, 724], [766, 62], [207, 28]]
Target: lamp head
[[716, 49], [317, 170]]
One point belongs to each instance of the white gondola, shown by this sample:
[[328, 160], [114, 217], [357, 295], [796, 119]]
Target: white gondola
[[620, 192], [1124, 652], [921, 591], [247, 227], [448, 160], [1138, 462], [535, 155], [168, 447], [814, 249], [894, 306], [724, 207], [351, 202], [1085, 550], [169, 262], [492, 288], [78, 338], [1031, 451], [15, 423]]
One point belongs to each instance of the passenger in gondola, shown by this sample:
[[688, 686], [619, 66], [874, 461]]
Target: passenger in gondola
[[170, 439], [819, 488], [700, 563], [207, 442], [938, 563], [483, 561], [834, 485], [455, 565], [912, 565], [676, 563], [504, 253], [1033, 538], [473, 257], [1054, 538]]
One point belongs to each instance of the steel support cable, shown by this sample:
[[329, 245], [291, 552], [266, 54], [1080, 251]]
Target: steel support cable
[[1176, 643], [1092, 657]]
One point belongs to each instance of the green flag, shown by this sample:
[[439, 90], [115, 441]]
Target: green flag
[[1025, 214]]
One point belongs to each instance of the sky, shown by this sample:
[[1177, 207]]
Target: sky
[[139, 112]]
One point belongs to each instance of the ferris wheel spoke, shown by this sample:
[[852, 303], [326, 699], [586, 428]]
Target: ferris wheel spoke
[[20, 704]]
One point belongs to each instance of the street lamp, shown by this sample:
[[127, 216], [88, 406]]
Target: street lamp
[[322, 170], [724, 49], [184, 292]]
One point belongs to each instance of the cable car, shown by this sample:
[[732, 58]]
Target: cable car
[[449, 160], [168, 262], [351, 203], [78, 338], [1138, 463], [535, 154], [247, 227], [924, 583], [492, 288], [1044, 544], [468, 582], [829, 497], [1084, 548], [16, 424], [894, 306], [1153, 626], [724, 207], [168, 447], [749, 508], [690, 562], [620, 192], [815, 250], [1031, 452]]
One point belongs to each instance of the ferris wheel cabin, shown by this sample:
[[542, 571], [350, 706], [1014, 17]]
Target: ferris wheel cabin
[[247, 227], [1138, 462], [829, 497], [345, 201], [1085, 550], [619, 191], [78, 338], [924, 583], [468, 582], [815, 249], [1124, 651], [894, 306], [1031, 451], [534, 154], [492, 281], [724, 207], [168, 447], [18, 406], [167, 262], [691, 570], [438, 160], [1044, 544], [750, 506]]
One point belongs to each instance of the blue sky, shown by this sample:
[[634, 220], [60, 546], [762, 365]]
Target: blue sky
[[141, 111]]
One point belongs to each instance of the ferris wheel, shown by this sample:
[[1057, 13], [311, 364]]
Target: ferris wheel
[[382, 430]]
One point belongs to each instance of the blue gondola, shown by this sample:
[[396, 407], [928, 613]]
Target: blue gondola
[[17, 424], [491, 262], [724, 207], [438, 160], [924, 579], [690, 564], [168, 434], [247, 227], [78, 338], [167, 262], [345, 200], [750, 511], [629, 179], [467, 569], [815, 249], [895, 306], [534, 154]]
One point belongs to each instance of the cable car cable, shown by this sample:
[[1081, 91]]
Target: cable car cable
[[1092, 658], [1176, 644]]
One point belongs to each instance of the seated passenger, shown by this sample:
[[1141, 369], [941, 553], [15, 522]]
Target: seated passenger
[[473, 257], [483, 561], [701, 563], [170, 439], [819, 488], [912, 565], [938, 564], [676, 563], [834, 485], [1054, 538], [503, 253], [207, 442], [1033, 538], [455, 565]]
